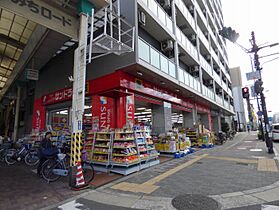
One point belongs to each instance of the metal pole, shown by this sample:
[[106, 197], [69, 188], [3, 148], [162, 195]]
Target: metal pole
[[265, 135], [17, 113]]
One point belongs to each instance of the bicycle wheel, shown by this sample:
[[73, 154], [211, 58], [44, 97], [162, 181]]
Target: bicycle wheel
[[32, 158], [88, 172], [47, 170], [9, 158]]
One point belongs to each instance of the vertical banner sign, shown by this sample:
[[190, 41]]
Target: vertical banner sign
[[39, 116], [130, 110], [102, 113]]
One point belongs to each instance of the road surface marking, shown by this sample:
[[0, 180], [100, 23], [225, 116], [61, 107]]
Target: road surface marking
[[256, 150], [149, 186]]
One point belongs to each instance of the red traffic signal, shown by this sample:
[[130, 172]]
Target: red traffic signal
[[245, 92]]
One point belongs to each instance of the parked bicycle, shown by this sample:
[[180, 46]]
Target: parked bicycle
[[25, 152], [57, 166], [3, 150]]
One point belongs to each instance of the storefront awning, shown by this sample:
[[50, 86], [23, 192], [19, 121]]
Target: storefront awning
[[115, 93]]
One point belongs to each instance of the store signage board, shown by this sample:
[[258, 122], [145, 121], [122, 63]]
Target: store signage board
[[253, 75], [44, 14], [32, 74]]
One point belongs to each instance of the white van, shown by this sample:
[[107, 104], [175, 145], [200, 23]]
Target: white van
[[275, 132]]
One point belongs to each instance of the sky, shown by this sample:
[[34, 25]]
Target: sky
[[261, 17]]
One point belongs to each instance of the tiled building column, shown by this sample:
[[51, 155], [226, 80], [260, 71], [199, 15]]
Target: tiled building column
[[161, 118]]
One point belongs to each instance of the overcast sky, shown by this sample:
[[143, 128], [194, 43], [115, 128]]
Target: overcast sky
[[261, 17]]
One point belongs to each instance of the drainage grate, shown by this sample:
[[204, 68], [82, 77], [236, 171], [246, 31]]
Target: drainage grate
[[195, 202]]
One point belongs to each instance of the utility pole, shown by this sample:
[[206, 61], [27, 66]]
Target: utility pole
[[265, 135]]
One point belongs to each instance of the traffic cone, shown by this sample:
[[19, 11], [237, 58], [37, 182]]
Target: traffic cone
[[79, 177]]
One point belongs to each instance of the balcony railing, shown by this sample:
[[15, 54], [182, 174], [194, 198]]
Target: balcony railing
[[203, 38], [184, 41], [189, 80], [226, 104], [224, 85], [159, 13], [206, 65], [184, 10], [207, 92], [152, 56], [201, 14], [231, 108], [229, 92], [216, 77], [219, 100]]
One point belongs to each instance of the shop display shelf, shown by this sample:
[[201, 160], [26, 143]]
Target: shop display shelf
[[150, 149], [99, 162], [128, 139], [100, 153], [125, 171], [145, 150], [127, 164], [123, 155], [102, 146], [125, 147], [102, 140], [128, 132]]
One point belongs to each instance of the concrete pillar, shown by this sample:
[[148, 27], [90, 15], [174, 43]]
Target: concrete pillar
[[161, 118], [205, 121], [16, 123], [190, 118], [216, 122]]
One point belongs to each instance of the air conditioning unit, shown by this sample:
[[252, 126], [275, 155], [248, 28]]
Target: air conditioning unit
[[142, 18], [219, 91], [210, 83], [191, 9], [193, 37], [218, 71], [167, 46], [206, 34], [208, 58], [166, 4]]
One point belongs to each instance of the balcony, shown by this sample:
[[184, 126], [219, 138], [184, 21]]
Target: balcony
[[203, 38], [224, 86], [217, 78], [199, 11], [219, 100], [207, 92], [214, 56], [226, 104], [157, 10], [186, 44], [231, 108], [189, 80], [206, 66], [152, 56], [187, 15]]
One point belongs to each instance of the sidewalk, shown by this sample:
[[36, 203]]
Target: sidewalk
[[237, 174]]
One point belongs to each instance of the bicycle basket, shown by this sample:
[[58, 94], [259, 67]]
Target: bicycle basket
[[61, 156]]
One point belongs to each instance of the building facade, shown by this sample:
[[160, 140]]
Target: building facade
[[240, 116], [178, 74]]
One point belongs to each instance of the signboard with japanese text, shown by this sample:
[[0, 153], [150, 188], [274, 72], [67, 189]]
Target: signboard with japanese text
[[44, 14], [103, 115], [32, 74], [39, 116], [253, 75], [130, 110]]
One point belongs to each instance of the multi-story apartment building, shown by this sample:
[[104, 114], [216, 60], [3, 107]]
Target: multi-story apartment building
[[177, 75]]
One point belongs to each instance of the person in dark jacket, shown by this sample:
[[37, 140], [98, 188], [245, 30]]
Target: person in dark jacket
[[46, 149]]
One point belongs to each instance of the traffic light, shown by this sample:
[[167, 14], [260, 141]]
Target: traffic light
[[245, 92], [258, 86], [229, 33]]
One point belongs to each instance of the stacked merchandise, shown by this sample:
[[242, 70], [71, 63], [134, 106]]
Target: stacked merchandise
[[88, 145], [167, 143], [124, 150], [101, 147], [192, 134], [153, 154], [142, 147]]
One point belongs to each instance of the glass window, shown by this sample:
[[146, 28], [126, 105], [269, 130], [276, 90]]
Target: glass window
[[59, 119]]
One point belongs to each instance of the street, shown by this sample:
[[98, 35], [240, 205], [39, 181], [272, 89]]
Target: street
[[236, 174]]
